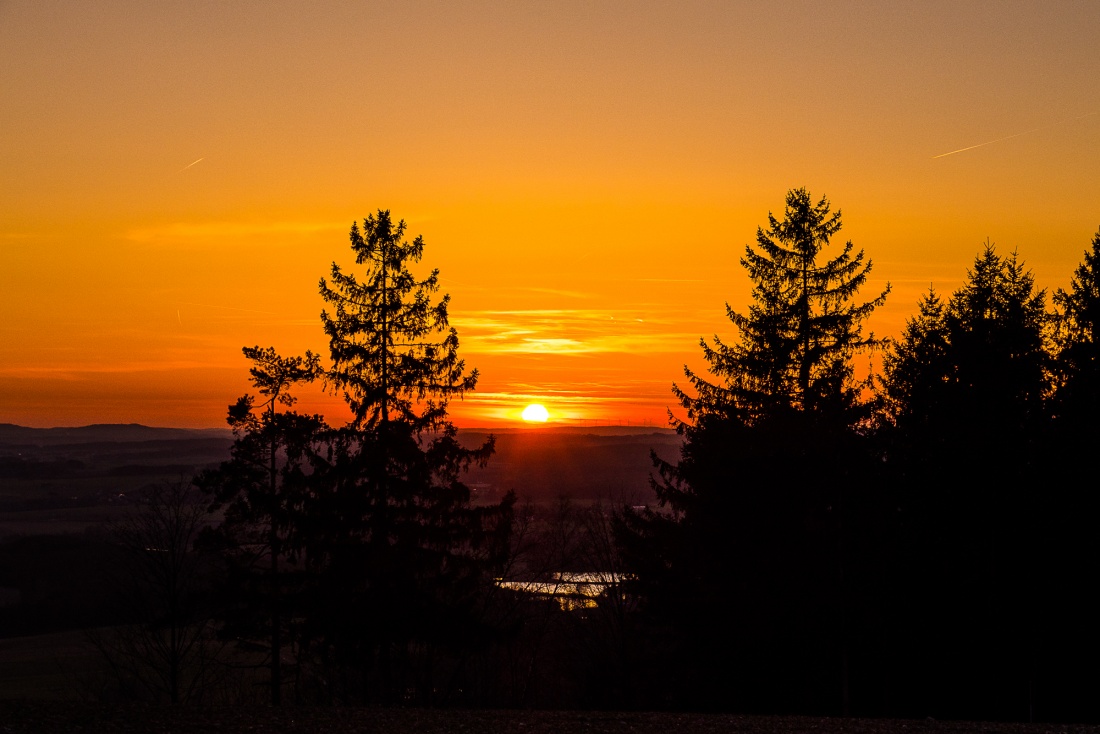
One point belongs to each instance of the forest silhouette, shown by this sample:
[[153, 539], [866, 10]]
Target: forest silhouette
[[919, 541]]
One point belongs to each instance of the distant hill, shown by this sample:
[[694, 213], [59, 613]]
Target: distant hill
[[101, 432], [64, 480]]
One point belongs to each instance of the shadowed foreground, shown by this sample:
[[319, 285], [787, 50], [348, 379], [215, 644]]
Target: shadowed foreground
[[79, 717]]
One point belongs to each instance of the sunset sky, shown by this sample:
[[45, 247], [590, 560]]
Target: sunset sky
[[175, 177]]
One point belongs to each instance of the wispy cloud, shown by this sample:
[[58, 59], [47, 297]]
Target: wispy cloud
[[226, 308], [564, 408], [549, 398], [558, 292], [530, 345], [626, 390], [670, 280], [79, 372], [570, 332], [196, 231]]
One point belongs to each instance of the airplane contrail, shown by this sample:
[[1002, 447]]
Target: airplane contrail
[[190, 164], [1016, 135]]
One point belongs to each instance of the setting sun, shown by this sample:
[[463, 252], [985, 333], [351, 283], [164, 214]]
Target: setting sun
[[535, 413]]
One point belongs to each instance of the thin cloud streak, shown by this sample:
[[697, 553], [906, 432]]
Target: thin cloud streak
[[190, 164], [213, 231], [546, 398], [557, 292], [88, 371], [669, 280], [227, 308], [1016, 135]]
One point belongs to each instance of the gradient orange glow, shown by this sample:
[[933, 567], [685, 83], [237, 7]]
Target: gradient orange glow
[[175, 177]]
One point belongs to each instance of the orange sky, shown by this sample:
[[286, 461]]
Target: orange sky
[[585, 175]]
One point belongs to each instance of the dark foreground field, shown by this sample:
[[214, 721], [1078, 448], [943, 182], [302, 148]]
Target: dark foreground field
[[74, 717]]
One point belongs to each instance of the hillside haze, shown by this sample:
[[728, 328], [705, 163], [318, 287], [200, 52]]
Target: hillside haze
[[585, 464], [62, 480]]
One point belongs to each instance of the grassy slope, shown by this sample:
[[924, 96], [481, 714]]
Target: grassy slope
[[73, 717]]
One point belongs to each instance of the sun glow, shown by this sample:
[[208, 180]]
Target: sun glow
[[535, 413]]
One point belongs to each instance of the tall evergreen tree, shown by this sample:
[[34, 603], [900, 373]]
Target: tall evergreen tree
[[745, 562], [1071, 543], [1077, 400], [917, 363], [265, 494], [997, 330], [408, 553], [797, 340], [966, 387]]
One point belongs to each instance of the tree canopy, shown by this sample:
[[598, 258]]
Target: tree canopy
[[393, 352], [975, 370], [796, 341], [1077, 400]]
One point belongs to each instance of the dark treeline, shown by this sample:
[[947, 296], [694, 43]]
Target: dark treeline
[[918, 541]]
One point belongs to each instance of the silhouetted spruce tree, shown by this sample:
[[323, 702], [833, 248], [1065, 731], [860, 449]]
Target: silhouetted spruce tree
[[975, 371], [266, 494], [1068, 679], [917, 365], [406, 554], [797, 340], [966, 388], [972, 375], [746, 563], [1077, 397]]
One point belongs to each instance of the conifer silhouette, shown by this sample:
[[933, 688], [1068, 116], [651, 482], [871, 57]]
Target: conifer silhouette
[[745, 561], [407, 553]]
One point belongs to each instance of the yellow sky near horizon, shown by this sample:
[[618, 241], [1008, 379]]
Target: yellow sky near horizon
[[585, 176]]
